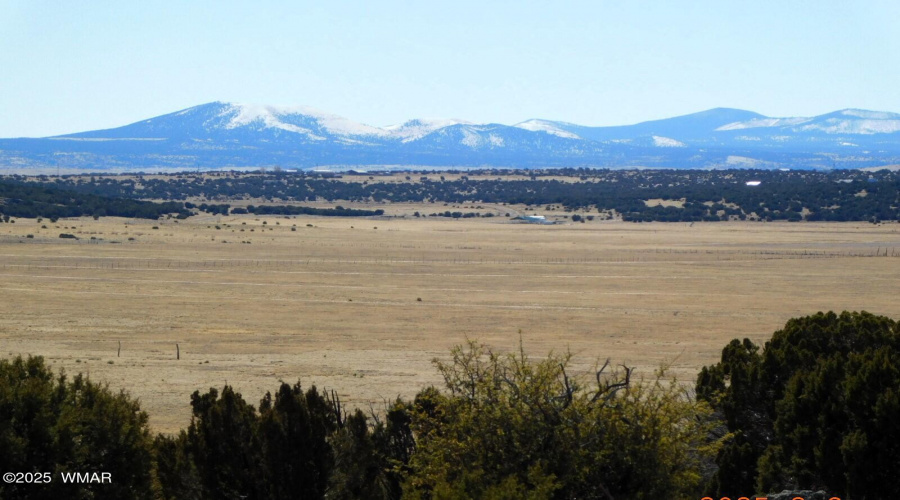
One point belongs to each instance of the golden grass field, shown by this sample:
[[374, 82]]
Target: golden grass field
[[337, 304]]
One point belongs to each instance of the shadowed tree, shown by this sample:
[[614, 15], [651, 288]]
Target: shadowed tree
[[816, 409], [223, 440], [51, 424], [294, 428]]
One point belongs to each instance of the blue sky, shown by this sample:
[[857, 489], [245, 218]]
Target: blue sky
[[75, 66]]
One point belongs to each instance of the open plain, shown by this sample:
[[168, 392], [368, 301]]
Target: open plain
[[362, 305]]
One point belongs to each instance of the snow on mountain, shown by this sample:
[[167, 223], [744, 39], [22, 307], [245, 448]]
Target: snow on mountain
[[762, 122], [684, 128], [667, 142], [549, 127], [476, 138], [416, 129], [468, 137], [293, 119], [847, 121], [861, 126], [869, 115], [287, 118], [471, 139], [222, 135], [265, 116]]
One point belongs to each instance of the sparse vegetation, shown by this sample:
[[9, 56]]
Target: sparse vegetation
[[679, 282]]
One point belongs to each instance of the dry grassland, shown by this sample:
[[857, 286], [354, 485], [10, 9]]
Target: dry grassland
[[337, 304]]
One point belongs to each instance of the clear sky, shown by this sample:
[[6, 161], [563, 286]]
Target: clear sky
[[69, 66]]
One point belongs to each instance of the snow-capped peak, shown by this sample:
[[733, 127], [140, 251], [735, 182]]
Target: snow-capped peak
[[315, 123], [297, 119], [246, 114], [418, 128], [549, 127]]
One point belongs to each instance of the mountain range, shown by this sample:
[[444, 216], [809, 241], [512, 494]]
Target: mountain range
[[226, 135]]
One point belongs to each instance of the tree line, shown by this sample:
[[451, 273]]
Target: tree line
[[31, 200], [815, 408], [702, 195]]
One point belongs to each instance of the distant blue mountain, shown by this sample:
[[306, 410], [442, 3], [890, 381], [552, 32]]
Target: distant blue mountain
[[688, 127], [224, 135]]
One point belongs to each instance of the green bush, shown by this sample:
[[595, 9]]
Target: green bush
[[508, 427], [816, 409], [51, 424]]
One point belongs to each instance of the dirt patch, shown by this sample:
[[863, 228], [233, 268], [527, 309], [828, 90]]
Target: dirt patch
[[659, 202]]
